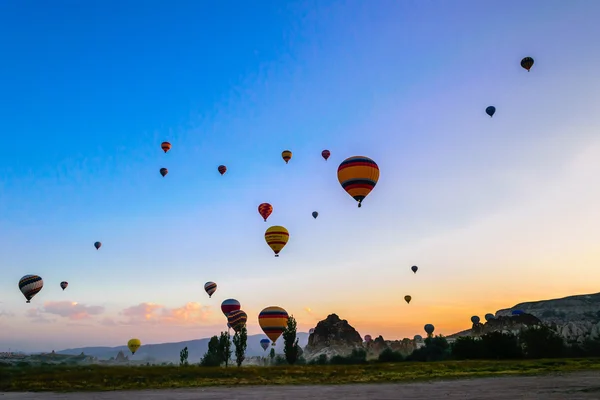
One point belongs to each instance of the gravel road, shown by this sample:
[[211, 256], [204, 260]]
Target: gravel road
[[572, 386]]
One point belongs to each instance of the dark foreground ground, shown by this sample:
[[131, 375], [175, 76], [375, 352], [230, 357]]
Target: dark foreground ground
[[563, 386]]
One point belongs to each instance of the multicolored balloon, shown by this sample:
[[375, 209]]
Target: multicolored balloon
[[527, 63], [30, 285], [325, 154], [491, 110], [429, 328], [237, 320], [265, 209], [166, 146], [273, 321], [315, 214], [358, 176], [277, 237], [64, 285], [210, 288], [222, 169], [414, 268], [229, 305], [134, 345], [264, 343], [164, 172], [286, 155], [97, 245], [407, 298]]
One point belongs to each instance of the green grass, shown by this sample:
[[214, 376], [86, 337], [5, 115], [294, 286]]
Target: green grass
[[98, 378]]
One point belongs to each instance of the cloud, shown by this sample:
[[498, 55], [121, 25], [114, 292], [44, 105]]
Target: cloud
[[190, 313], [6, 314], [37, 316], [72, 310], [308, 310]]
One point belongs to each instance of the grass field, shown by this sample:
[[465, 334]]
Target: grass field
[[98, 378]]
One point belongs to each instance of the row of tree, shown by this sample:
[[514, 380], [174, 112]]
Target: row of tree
[[533, 342]]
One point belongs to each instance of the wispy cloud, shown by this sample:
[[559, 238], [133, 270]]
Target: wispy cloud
[[38, 317], [190, 313], [72, 310], [6, 314]]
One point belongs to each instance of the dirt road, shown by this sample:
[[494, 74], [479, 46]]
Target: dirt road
[[574, 386]]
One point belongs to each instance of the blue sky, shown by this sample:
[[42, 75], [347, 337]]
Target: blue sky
[[88, 91]]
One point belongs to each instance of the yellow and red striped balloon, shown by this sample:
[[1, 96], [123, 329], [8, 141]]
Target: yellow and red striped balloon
[[222, 169], [286, 155], [237, 320], [166, 146], [273, 321], [265, 209], [277, 237], [358, 175]]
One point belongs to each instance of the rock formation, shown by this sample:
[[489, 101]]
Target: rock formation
[[332, 336], [121, 357], [404, 346]]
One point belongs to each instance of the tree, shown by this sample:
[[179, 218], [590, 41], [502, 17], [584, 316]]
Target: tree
[[272, 355], [225, 347], [240, 339], [212, 357], [183, 356], [500, 345], [291, 347], [541, 342], [436, 349], [467, 348]]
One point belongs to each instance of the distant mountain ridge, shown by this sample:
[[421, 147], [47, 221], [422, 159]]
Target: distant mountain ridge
[[169, 352]]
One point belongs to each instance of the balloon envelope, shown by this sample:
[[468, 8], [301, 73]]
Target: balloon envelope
[[491, 110], [265, 209], [229, 305], [368, 338], [489, 317], [166, 146], [429, 328], [273, 321], [222, 169], [517, 312], [134, 345], [315, 214], [64, 285], [30, 285], [414, 268], [527, 63], [277, 237], [164, 171], [358, 176], [237, 319], [475, 319], [286, 155], [97, 245], [264, 343], [210, 288], [407, 298], [418, 338], [325, 154]]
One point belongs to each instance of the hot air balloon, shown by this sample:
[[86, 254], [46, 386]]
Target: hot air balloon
[[237, 320], [164, 171], [229, 305], [222, 169], [407, 298], [228, 325], [429, 328], [166, 146], [315, 214], [97, 245], [491, 110], [527, 63], [210, 288], [134, 345], [418, 338], [517, 312], [286, 155], [368, 338], [311, 331], [265, 209], [64, 285], [30, 285], [277, 237], [475, 319], [273, 321], [488, 317], [264, 343], [325, 154], [414, 268], [358, 175]]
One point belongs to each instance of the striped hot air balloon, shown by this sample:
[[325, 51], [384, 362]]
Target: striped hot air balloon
[[358, 175], [222, 169], [277, 237], [166, 146], [325, 154], [210, 288], [264, 343], [265, 209], [64, 285], [30, 285], [527, 63], [229, 305], [286, 155], [237, 319], [164, 172], [273, 321]]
